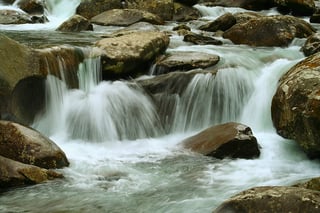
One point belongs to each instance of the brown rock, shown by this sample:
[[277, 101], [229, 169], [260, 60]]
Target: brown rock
[[184, 13], [272, 199], [296, 105], [14, 17], [75, 23], [269, 31], [91, 8], [28, 146], [226, 140], [201, 39], [298, 7], [31, 6], [247, 4], [13, 173], [312, 45], [222, 23]]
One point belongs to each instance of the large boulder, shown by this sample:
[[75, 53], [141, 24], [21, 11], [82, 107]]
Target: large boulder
[[31, 6], [14, 17], [233, 140], [273, 199], [28, 146], [91, 8], [183, 13], [185, 61], [222, 23], [131, 54], [75, 23], [298, 7], [125, 17], [13, 174], [269, 31], [296, 105]]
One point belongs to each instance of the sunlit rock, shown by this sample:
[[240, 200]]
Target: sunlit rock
[[14, 17], [75, 23], [130, 54], [28, 146], [272, 199], [313, 184], [91, 8], [298, 7], [13, 174], [312, 45], [232, 140], [222, 23], [184, 61], [125, 17], [200, 39], [269, 31], [296, 105]]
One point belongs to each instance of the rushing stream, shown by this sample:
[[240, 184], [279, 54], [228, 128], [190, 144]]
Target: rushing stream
[[121, 162]]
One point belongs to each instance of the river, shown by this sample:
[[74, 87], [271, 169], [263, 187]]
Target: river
[[120, 162]]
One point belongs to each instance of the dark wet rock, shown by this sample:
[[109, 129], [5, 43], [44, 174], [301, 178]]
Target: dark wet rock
[[185, 61], [269, 31], [14, 17], [222, 23], [184, 13], [31, 6], [315, 17], [247, 4], [312, 45], [130, 54], [125, 17], [188, 2], [273, 199], [296, 105], [28, 146], [201, 39], [91, 8], [181, 27], [298, 7], [8, 1], [75, 23], [14, 174], [232, 140]]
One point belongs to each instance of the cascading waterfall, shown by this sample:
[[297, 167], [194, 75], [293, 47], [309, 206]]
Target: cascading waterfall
[[121, 160]]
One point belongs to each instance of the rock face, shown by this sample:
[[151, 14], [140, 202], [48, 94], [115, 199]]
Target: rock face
[[232, 140], [130, 54], [28, 146], [125, 17], [13, 174], [296, 105], [312, 45], [269, 31], [273, 199], [75, 23], [184, 61]]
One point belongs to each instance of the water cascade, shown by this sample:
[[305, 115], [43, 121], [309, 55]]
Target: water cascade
[[123, 159]]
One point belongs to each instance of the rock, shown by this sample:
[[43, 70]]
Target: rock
[[125, 17], [269, 31], [242, 17], [28, 146], [188, 2], [75, 23], [137, 27], [313, 184], [162, 8], [131, 54], [315, 17], [298, 7], [312, 45], [222, 23], [91, 8], [272, 199], [14, 17], [247, 4], [296, 105], [8, 1], [185, 61], [181, 27], [31, 6], [184, 13], [232, 140], [200, 39], [13, 174]]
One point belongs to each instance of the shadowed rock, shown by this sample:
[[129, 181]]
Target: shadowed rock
[[75, 23], [312, 45]]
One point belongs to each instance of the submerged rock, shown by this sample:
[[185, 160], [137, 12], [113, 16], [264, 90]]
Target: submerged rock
[[184, 61], [28, 146], [13, 174], [273, 199], [269, 31], [125, 17], [232, 140], [75, 23], [130, 54], [296, 105]]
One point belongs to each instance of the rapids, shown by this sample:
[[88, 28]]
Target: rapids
[[121, 161]]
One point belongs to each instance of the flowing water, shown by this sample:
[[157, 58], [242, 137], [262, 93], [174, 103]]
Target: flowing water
[[122, 160]]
